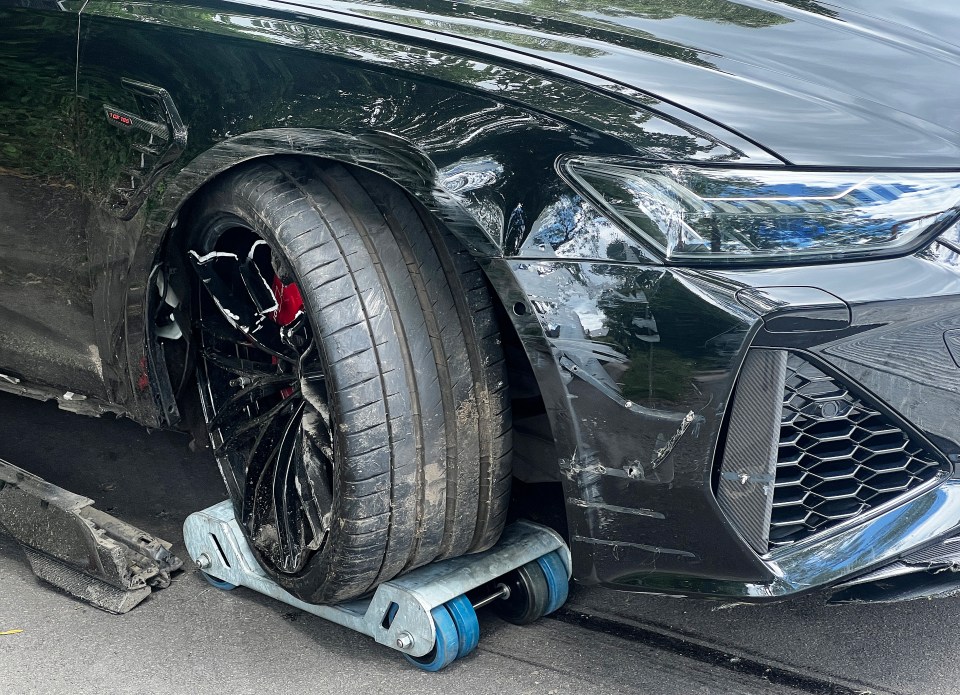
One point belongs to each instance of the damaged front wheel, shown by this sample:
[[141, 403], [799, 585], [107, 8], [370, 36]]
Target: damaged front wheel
[[351, 377]]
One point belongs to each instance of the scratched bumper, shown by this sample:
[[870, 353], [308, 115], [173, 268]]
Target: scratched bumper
[[637, 364]]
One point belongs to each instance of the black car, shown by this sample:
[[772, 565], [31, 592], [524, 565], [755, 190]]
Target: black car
[[685, 270]]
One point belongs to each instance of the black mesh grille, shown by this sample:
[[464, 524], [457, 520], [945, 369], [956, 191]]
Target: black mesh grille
[[837, 458]]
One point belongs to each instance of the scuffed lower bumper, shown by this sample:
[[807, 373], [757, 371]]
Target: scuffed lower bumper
[[846, 554], [637, 365]]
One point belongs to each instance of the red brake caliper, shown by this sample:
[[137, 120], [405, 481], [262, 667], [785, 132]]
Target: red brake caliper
[[289, 303]]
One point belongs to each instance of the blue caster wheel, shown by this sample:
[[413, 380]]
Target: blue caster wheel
[[448, 643], [218, 583], [465, 618], [557, 583]]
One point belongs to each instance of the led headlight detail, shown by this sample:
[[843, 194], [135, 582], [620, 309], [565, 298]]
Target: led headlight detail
[[701, 214]]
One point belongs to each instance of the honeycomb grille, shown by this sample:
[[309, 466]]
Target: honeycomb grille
[[837, 457]]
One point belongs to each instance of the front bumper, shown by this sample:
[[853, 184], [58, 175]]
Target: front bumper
[[637, 364]]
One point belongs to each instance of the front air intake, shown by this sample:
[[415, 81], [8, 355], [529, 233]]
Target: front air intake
[[803, 454]]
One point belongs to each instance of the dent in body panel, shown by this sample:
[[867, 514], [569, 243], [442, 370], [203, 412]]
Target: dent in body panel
[[647, 359]]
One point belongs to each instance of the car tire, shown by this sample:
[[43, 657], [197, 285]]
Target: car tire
[[351, 375]]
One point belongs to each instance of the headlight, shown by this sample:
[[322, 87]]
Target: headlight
[[695, 214]]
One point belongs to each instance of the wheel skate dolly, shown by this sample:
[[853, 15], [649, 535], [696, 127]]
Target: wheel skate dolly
[[429, 614]]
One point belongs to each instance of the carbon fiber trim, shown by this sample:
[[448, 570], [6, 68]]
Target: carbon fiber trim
[[747, 473]]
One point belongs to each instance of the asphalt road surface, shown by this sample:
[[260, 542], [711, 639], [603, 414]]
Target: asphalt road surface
[[191, 638]]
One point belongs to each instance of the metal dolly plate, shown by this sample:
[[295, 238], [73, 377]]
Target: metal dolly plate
[[401, 613]]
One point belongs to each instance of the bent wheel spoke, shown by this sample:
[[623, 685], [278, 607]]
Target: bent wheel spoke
[[287, 507]]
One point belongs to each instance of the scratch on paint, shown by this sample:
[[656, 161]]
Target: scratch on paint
[[614, 508], [660, 454], [641, 546]]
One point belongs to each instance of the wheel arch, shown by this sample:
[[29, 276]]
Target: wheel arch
[[389, 157]]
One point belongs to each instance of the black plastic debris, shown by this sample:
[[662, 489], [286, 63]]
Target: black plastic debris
[[79, 549]]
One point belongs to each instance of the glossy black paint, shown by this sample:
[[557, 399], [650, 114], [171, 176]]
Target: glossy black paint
[[834, 83], [468, 106]]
